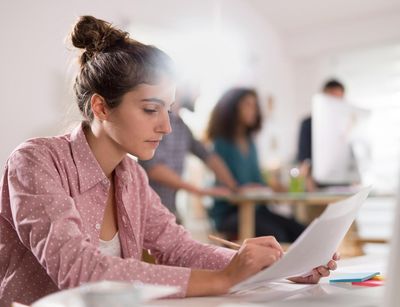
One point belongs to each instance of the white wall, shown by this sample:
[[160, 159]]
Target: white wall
[[34, 62], [316, 51], [36, 72]]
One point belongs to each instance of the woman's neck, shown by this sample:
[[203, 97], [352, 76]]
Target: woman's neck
[[241, 133], [104, 149]]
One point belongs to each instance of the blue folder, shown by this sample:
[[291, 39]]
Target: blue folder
[[353, 277]]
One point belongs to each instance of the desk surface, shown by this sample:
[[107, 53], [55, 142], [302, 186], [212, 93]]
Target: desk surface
[[289, 294]]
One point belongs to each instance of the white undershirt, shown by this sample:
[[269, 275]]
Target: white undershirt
[[111, 247]]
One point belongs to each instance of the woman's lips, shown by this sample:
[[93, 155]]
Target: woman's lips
[[154, 143]]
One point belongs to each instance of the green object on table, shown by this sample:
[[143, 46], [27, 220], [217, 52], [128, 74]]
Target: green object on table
[[297, 183]]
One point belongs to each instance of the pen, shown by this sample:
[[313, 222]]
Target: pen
[[225, 242], [236, 246]]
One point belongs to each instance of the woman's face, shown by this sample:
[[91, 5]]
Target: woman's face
[[141, 120], [248, 111]]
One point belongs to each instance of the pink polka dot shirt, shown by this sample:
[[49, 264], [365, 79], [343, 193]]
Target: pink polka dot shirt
[[52, 201]]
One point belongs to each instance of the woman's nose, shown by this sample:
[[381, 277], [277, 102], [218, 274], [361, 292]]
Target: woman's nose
[[165, 125]]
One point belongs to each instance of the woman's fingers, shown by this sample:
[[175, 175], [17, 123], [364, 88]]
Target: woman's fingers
[[316, 273], [260, 256], [257, 257], [336, 256], [313, 278], [323, 271], [268, 241], [332, 265], [249, 260]]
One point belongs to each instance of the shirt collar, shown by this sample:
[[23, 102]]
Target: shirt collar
[[123, 171], [89, 171]]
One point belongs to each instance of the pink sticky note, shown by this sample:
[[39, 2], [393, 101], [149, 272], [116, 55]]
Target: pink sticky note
[[369, 283]]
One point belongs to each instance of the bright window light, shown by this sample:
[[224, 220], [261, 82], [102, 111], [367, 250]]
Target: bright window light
[[211, 59]]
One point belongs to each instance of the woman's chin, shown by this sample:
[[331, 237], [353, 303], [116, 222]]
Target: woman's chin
[[145, 156]]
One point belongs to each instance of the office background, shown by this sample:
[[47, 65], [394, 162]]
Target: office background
[[285, 49]]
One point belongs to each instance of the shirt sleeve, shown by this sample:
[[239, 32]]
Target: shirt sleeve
[[171, 244], [48, 224], [196, 147]]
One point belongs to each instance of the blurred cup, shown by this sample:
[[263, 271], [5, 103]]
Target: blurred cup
[[297, 182]]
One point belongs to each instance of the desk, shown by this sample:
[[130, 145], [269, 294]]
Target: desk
[[352, 245], [279, 293], [275, 295], [247, 202]]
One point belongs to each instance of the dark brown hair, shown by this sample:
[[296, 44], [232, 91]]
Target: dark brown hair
[[332, 84], [112, 63], [225, 115]]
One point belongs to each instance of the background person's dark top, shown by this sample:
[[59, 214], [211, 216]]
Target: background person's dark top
[[305, 143], [245, 169]]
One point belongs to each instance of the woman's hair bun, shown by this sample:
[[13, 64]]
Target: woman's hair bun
[[95, 35]]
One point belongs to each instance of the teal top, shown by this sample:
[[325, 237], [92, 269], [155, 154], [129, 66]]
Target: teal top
[[244, 168]]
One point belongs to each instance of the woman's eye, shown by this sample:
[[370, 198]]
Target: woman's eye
[[150, 111]]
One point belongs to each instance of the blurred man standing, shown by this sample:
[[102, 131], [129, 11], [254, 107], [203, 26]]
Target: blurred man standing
[[332, 88]]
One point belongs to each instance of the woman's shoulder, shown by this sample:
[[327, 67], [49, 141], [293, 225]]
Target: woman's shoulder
[[221, 141], [224, 145], [42, 148]]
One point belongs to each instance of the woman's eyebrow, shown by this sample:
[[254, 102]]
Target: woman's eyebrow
[[157, 100]]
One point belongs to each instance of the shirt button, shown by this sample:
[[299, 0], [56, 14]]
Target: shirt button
[[98, 226], [105, 181], [124, 220]]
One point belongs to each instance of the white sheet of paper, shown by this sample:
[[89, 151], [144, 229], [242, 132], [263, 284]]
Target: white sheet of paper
[[315, 246]]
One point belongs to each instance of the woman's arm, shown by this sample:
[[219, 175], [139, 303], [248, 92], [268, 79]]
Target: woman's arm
[[213, 161], [221, 171], [50, 226], [163, 174]]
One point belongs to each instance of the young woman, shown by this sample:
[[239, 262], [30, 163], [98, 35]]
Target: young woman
[[233, 123], [76, 208]]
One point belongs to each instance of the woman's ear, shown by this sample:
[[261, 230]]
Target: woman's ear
[[99, 107]]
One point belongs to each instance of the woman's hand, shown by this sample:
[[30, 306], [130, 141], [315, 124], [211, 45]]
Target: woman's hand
[[317, 273], [253, 256], [219, 191]]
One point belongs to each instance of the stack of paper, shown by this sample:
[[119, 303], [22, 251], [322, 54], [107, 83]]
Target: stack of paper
[[367, 279], [353, 277]]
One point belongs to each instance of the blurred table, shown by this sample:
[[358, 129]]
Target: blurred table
[[247, 202]]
